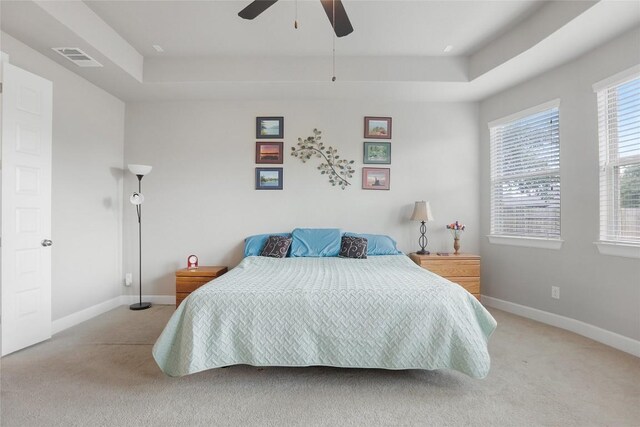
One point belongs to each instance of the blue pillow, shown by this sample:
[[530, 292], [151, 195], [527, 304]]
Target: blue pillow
[[378, 244], [315, 242], [253, 245]]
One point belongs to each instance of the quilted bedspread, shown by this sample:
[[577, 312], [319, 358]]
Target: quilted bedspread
[[381, 312]]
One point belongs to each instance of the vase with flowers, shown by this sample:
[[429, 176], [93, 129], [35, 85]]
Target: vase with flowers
[[456, 230]]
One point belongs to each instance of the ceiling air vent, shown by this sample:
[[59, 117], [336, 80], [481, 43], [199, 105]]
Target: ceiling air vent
[[77, 56]]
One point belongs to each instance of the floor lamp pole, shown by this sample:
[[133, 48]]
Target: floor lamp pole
[[140, 305]]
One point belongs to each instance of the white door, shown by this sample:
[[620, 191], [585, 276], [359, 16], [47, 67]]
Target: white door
[[26, 208]]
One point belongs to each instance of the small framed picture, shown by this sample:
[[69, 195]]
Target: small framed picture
[[376, 178], [377, 127], [268, 178], [377, 153], [269, 127], [269, 152]]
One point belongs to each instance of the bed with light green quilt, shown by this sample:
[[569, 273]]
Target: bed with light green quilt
[[380, 312]]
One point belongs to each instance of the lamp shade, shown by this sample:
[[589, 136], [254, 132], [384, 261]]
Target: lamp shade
[[422, 212], [136, 199], [140, 169]]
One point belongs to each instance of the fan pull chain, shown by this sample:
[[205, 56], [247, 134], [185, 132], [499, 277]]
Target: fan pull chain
[[295, 22], [333, 79], [333, 3]]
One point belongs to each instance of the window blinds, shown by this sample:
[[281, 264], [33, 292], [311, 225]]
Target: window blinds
[[525, 174], [619, 136]]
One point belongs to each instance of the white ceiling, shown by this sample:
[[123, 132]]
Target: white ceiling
[[385, 28], [394, 53]]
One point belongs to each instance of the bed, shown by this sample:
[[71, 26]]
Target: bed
[[380, 312]]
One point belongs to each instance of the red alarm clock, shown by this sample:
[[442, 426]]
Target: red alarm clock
[[192, 262]]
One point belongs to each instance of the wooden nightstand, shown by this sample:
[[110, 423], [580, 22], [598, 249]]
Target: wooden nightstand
[[188, 280], [463, 269]]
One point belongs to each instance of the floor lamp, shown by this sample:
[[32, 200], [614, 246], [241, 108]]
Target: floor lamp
[[137, 199], [422, 213]]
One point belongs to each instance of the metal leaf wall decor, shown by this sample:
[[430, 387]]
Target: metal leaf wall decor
[[337, 169]]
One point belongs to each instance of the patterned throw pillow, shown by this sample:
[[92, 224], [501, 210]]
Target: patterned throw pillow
[[276, 247], [353, 247]]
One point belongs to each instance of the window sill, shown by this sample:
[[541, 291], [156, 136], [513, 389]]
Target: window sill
[[618, 249], [530, 242]]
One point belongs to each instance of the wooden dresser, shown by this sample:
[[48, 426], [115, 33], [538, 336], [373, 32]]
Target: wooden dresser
[[188, 280], [463, 269]]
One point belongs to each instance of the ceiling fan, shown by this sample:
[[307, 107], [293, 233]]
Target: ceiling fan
[[342, 25]]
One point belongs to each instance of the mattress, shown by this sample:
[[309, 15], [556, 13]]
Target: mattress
[[380, 312]]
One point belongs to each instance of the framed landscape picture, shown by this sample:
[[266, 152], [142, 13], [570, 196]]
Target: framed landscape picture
[[269, 127], [376, 178], [268, 178], [269, 152], [377, 153], [377, 127]]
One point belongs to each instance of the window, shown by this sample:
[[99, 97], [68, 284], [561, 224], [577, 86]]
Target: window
[[525, 175], [619, 137]]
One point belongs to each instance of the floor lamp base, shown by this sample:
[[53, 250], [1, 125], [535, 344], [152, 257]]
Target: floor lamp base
[[140, 306]]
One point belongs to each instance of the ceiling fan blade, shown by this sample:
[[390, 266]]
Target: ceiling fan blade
[[255, 8], [342, 25]]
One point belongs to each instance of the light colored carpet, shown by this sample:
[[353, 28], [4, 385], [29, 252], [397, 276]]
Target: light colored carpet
[[102, 373]]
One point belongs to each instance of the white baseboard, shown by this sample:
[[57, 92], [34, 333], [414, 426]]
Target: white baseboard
[[620, 342], [84, 315], [98, 309]]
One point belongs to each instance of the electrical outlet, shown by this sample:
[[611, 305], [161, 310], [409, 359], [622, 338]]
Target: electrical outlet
[[555, 292], [128, 279]]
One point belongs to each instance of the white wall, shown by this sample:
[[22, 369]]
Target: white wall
[[600, 290], [88, 137], [200, 196]]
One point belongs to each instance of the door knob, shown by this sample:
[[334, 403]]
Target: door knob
[[46, 242]]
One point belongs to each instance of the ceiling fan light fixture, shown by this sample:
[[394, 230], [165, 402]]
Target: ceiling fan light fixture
[[334, 10]]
